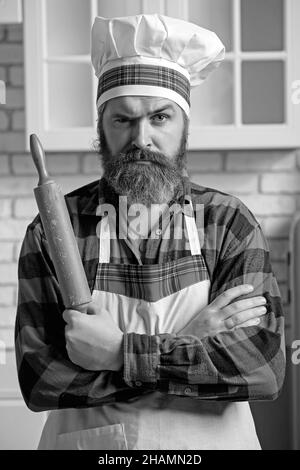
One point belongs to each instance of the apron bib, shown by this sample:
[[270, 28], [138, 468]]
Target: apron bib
[[153, 299]]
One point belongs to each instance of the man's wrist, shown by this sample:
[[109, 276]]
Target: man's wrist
[[119, 359]]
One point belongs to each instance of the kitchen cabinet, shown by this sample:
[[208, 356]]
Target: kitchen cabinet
[[11, 11], [249, 102]]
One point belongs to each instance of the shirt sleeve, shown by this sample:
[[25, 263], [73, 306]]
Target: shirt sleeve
[[47, 377], [247, 363]]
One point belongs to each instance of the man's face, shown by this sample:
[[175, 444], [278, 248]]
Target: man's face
[[143, 142], [147, 122]]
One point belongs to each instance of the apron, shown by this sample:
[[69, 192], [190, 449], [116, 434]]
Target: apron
[[153, 299]]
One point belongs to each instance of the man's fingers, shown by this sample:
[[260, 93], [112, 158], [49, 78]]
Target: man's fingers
[[242, 317], [229, 295], [69, 315], [92, 309], [253, 322], [241, 305]]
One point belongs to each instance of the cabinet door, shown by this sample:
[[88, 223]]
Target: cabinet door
[[10, 11], [247, 103], [60, 82]]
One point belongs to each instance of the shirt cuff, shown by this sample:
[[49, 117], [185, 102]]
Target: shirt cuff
[[141, 360]]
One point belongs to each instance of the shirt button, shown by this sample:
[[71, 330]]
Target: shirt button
[[187, 390], [138, 383], [158, 231]]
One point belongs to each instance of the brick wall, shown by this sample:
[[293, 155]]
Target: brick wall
[[267, 181]]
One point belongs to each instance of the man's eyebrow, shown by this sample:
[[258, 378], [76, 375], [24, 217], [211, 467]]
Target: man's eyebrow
[[167, 107], [121, 114], [127, 114]]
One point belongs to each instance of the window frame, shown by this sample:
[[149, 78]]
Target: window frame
[[214, 137]]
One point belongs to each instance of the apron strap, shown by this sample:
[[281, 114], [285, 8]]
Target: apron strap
[[104, 242], [192, 229]]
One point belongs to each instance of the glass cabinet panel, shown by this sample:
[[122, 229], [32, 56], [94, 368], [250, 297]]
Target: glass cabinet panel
[[68, 26], [252, 87], [111, 8], [216, 15], [213, 102], [263, 92], [262, 25], [70, 101]]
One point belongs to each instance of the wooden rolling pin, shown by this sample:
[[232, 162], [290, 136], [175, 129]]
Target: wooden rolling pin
[[60, 235]]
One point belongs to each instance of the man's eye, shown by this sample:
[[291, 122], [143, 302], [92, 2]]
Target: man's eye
[[160, 117], [121, 121]]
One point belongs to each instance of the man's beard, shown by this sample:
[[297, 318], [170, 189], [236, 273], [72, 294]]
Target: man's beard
[[143, 183]]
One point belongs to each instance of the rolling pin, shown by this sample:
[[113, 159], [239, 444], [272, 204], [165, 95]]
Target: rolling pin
[[60, 235]]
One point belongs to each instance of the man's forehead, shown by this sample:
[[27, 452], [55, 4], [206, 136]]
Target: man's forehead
[[137, 104]]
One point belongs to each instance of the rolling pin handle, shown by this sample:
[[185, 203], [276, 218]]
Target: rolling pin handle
[[39, 159], [59, 232]]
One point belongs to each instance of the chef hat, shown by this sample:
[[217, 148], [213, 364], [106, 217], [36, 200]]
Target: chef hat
[[152, 55]]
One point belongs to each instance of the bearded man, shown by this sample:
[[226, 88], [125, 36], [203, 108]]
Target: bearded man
[[183, 331]]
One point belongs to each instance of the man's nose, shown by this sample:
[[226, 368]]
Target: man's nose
[[141, 134]]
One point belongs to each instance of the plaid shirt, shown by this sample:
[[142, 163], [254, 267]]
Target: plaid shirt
[[244, 364]]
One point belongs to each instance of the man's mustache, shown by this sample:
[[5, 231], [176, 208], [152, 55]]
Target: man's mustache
[[133, 155]]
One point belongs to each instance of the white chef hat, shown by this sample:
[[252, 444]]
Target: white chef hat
[[152, 55]]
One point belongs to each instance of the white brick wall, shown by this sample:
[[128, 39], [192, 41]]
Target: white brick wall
[[260, 161], [25, 208], [14, 98], [15, 34], [90, 164], [7, 337], [12, 229], [12, 142], [67, 164], [7, 320], [17, 185], [298, 158], [11, 54], [18, 121], [205, 161], [8, 273], [7, 296], [16, 75], [6, 252], [3, 73], [5, 208], [281, 183], [266, 205], [4, 165], [268, 182], [2, 32], [4, 121], [22, 165], [239, 183]]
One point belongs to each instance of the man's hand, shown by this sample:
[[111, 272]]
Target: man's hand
[[222, 315], [93, 341]]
